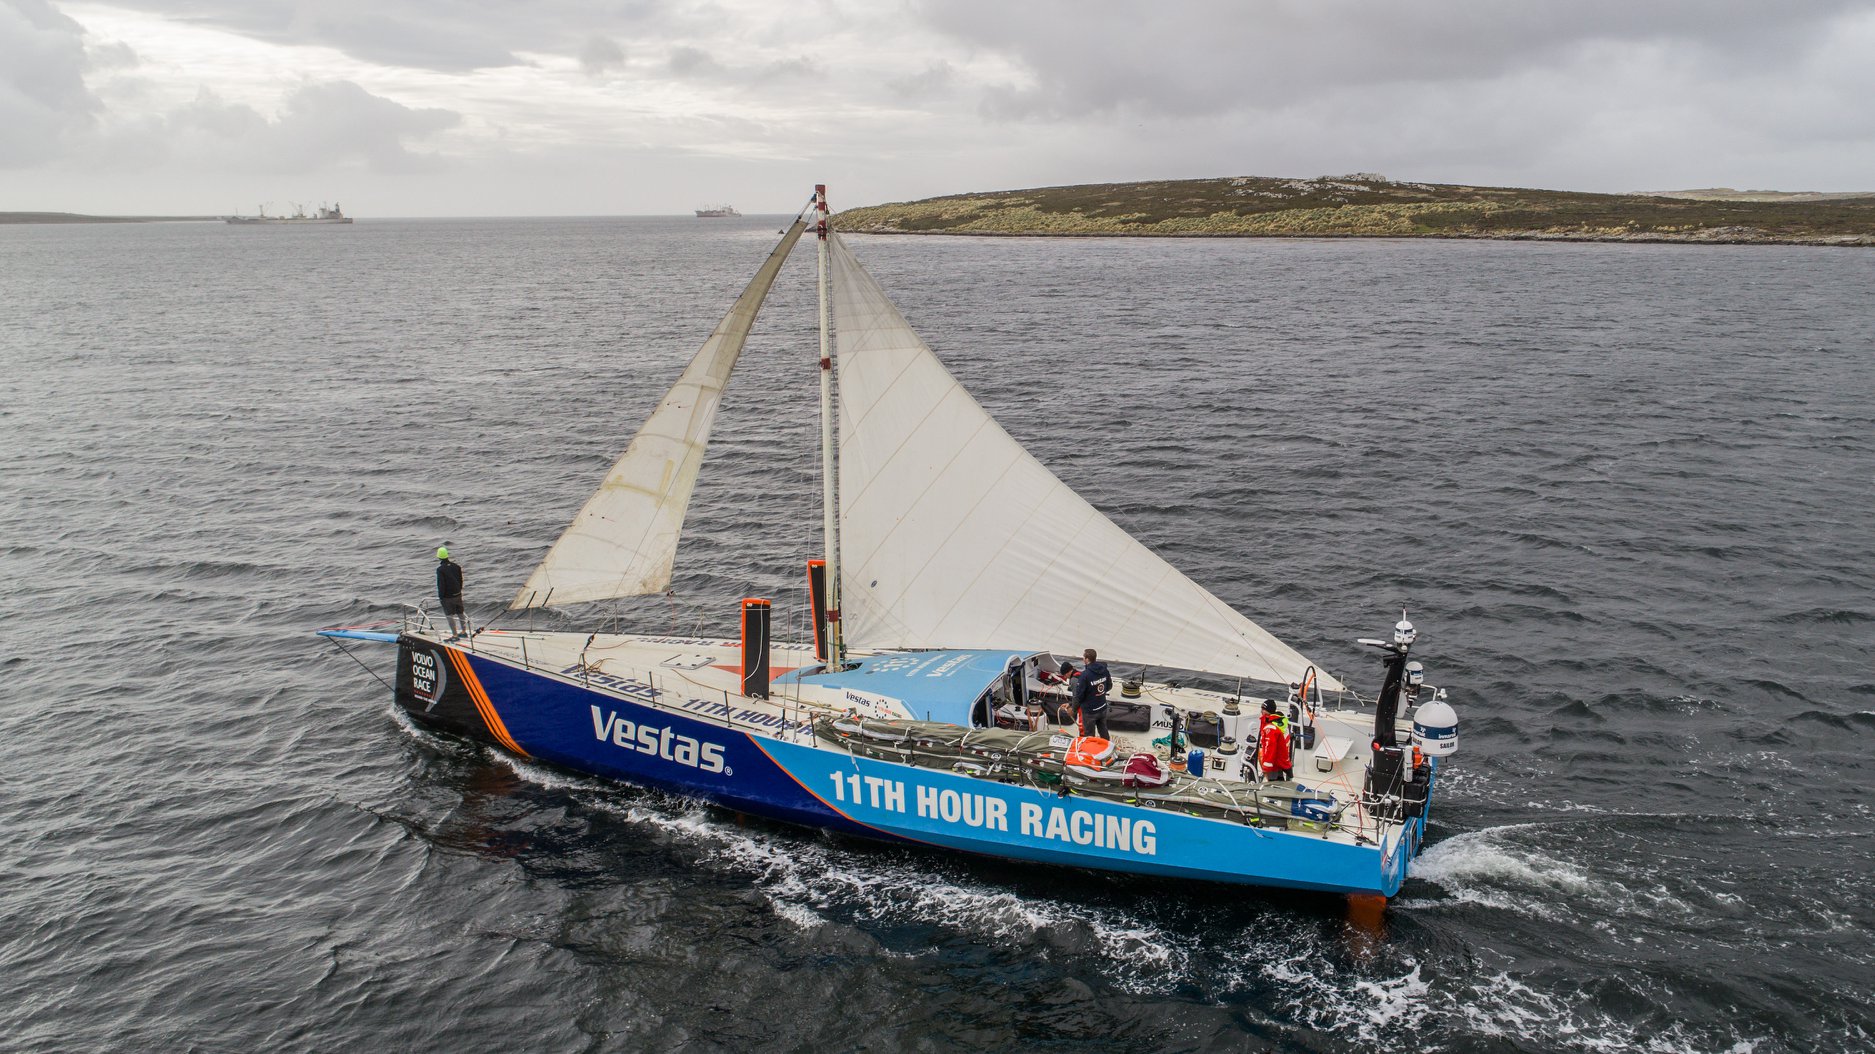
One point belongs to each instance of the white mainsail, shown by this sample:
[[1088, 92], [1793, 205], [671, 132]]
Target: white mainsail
[[624, 541], [953, 535]]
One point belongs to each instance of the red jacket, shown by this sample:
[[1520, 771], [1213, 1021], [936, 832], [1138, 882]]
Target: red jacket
[[1273, 749]]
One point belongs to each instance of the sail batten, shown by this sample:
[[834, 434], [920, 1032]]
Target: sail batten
[[953, 535], [624, 540]]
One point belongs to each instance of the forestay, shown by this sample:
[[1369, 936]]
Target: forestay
[[952, 535], [624, 541]]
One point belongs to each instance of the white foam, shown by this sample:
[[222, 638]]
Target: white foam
[[811, 884], [1412, 998], [806, 882], [1317, 993], [1482, 861], [1563, 806], [1501, 1005], [1512, 868]]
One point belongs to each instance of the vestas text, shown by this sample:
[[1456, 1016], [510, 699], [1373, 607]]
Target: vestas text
[[656, 741]]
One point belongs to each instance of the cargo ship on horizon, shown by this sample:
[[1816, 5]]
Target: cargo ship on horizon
[[324, 215]]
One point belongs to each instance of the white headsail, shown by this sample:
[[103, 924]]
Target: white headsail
[[953, 535], [624, 541]]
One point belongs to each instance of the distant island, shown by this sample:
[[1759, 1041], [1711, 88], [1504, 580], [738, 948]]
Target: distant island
[[1366, 205], [75, 217]]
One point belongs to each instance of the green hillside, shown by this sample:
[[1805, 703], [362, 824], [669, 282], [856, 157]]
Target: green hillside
[[1372, 206]]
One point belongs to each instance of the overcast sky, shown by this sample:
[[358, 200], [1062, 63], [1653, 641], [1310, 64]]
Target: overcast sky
[[565, 107]]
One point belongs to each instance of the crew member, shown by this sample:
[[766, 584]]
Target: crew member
[[1090, 696], [449, 591], [1273, 756], [1060, 704], [1263, 723], [1269, 714]]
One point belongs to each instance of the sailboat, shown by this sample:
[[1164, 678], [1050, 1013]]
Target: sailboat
[[957, 576]]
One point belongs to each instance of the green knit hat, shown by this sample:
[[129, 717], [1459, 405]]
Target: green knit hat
[[442, 553]]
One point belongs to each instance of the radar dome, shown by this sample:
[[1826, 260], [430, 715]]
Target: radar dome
[[1435, 729]]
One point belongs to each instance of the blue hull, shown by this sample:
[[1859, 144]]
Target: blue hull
[[617, 734]]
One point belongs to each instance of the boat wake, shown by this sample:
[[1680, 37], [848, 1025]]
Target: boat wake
[[1294, 966], [812, 884], [1491, 869]]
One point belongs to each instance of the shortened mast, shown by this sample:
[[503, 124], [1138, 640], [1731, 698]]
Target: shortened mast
[[828, 474]]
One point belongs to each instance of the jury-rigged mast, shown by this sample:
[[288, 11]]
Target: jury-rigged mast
[[828, 496]]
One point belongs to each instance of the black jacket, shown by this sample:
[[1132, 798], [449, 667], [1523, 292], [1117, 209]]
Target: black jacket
[[1092, 686], [448, 579]]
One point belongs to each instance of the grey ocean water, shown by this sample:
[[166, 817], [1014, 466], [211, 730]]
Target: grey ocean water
[[1625, 489]]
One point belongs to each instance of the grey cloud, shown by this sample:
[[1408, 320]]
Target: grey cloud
[[694, 62], [339, 119], [442, 35], [43, 98], [320, 126], [215, 116], [427, 35], [446, 36], [115, 55], [937, 80], [788, 69], [1213, 56], [600, 54]]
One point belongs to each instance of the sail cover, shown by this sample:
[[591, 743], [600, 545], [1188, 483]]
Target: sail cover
[[952, 535], [624, 541]]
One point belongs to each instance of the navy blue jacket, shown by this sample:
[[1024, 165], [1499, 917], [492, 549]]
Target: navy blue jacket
[[1092, 686], [448, 579]]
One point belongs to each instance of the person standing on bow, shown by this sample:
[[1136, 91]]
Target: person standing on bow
[[1273, 755], [1090, 696], [449, 591]]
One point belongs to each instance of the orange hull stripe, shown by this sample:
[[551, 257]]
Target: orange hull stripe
[[483, 704], [471, 685]]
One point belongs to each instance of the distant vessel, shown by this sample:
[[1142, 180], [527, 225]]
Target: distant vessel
[[324, 215], [719, 212]]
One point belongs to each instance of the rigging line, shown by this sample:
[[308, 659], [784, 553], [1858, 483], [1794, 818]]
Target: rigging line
[[499, 612], [1218, 604], [685, 604], [361, 663]]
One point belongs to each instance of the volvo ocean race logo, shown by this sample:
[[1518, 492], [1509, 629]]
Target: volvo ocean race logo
[[658, 742], [428, 677]]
